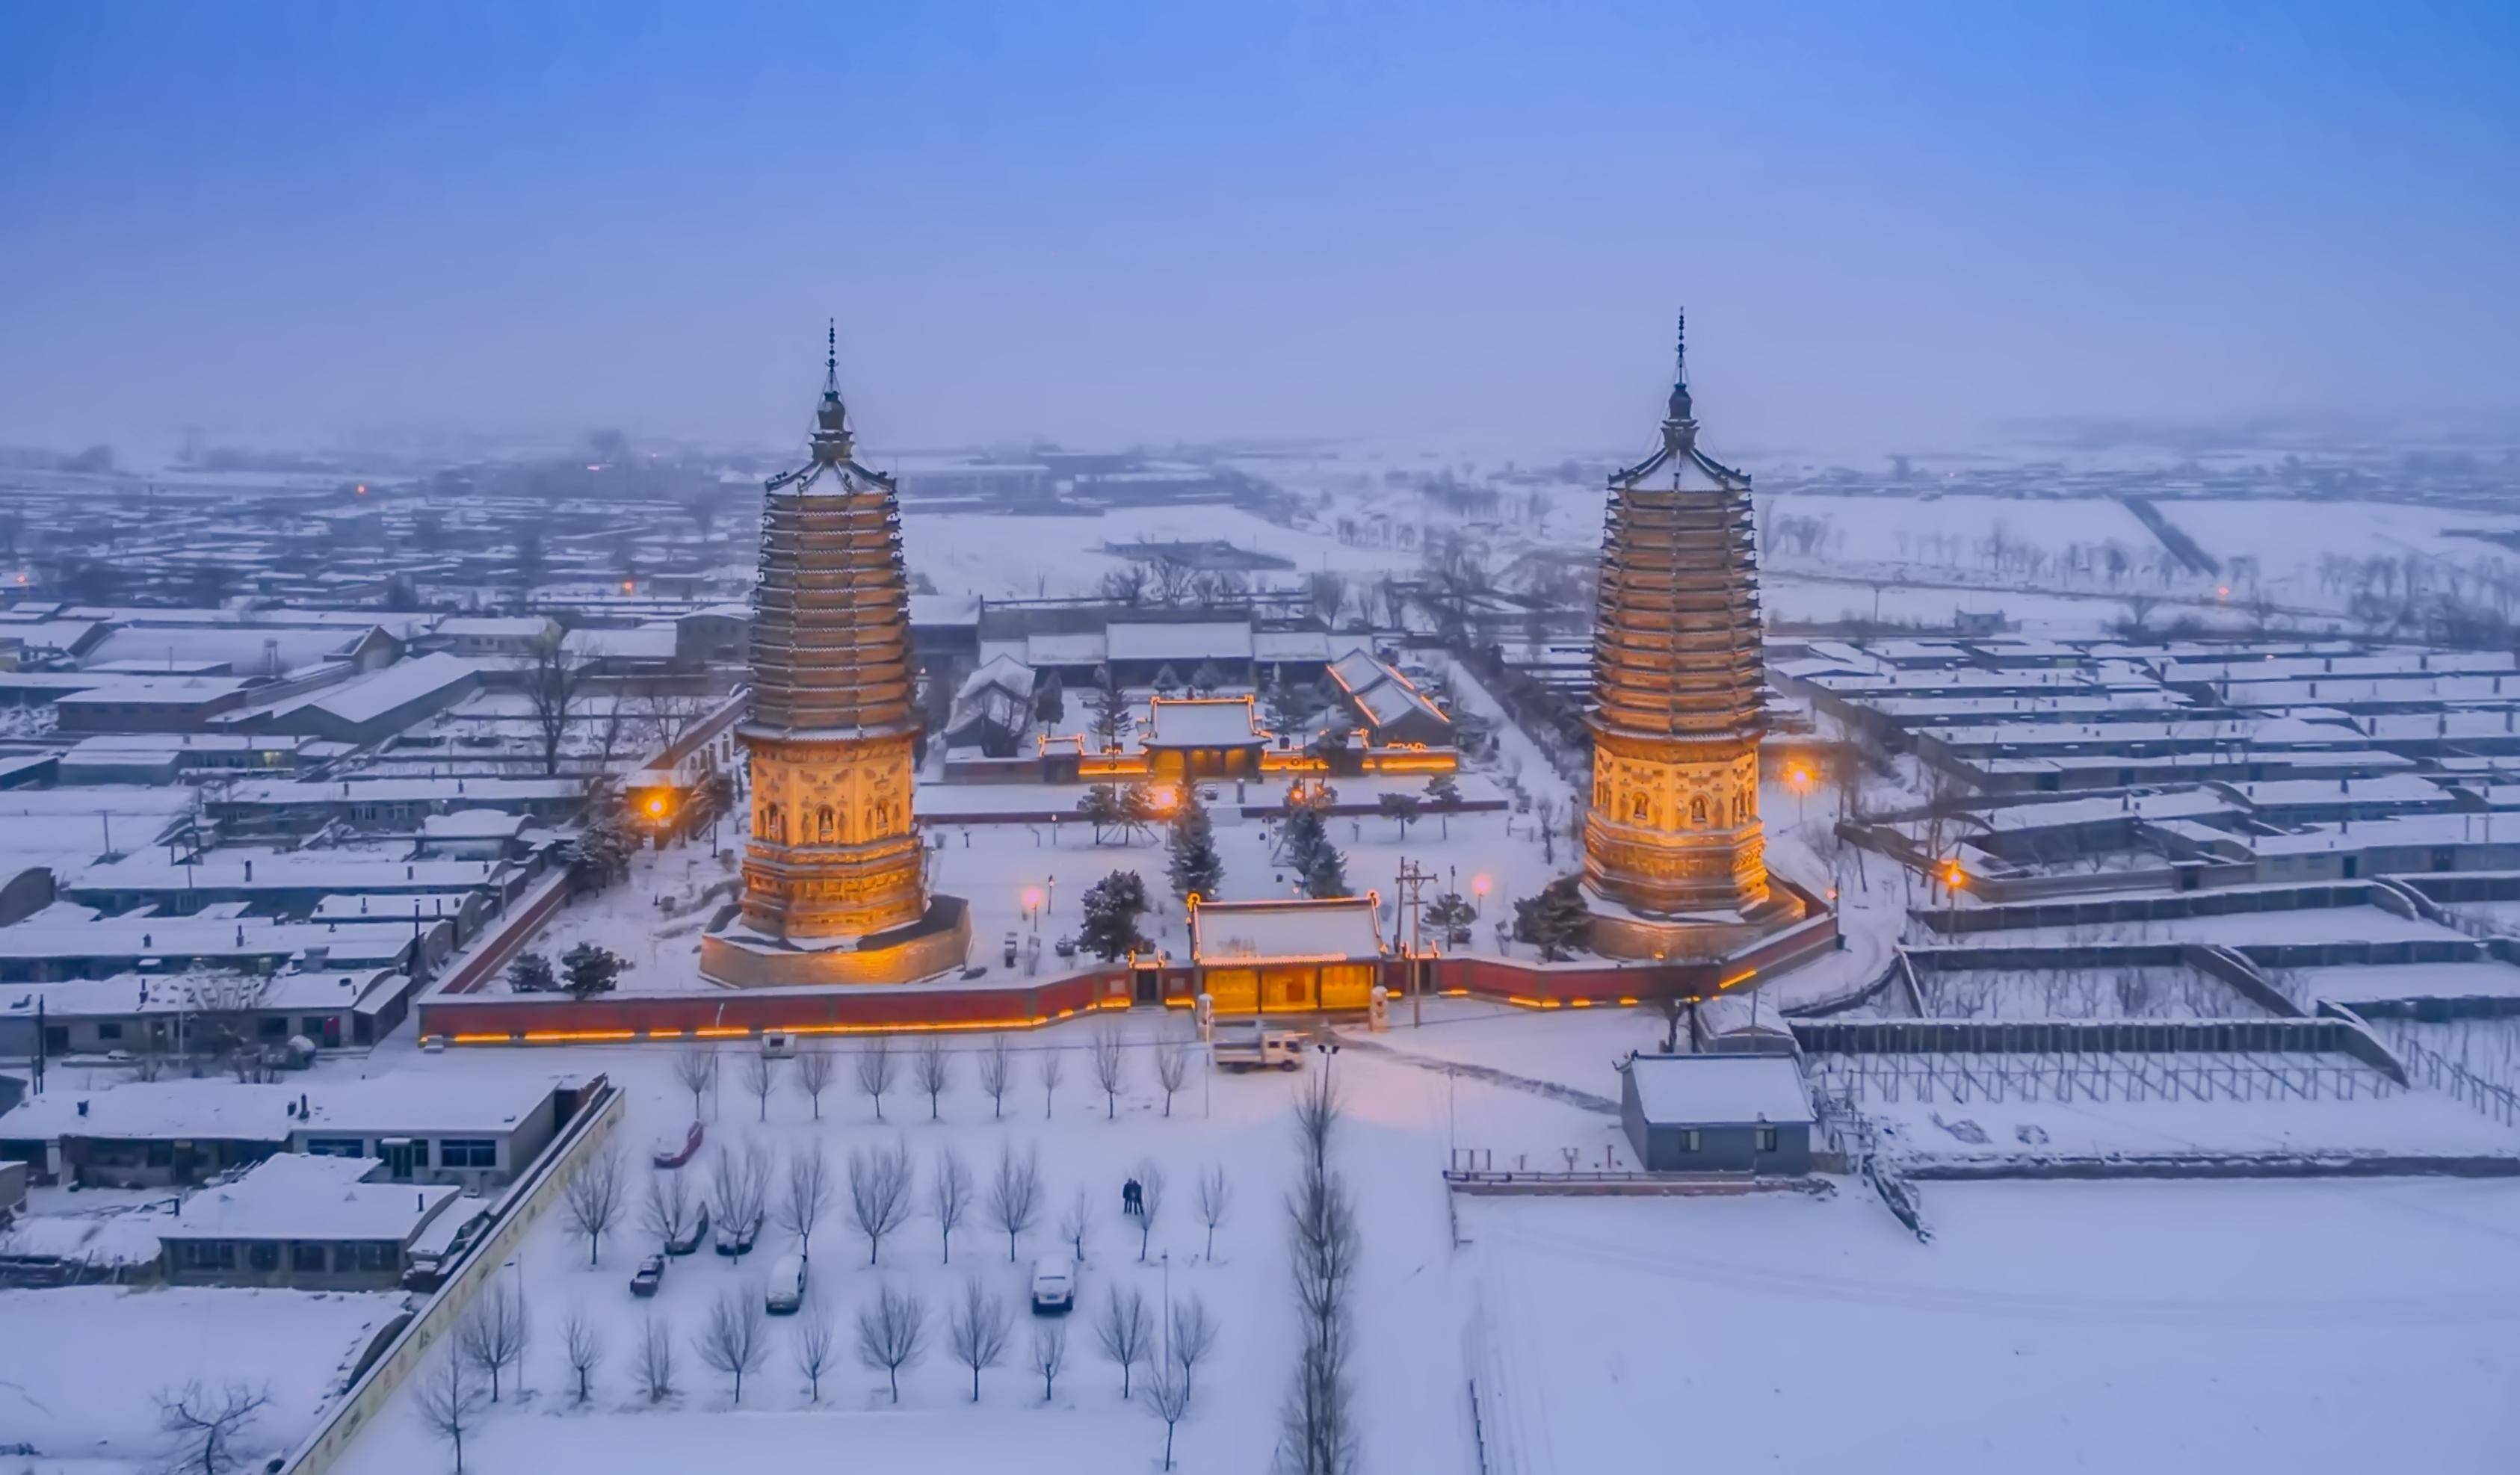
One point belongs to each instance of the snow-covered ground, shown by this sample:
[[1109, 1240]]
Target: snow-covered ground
[[2237, 928], [1401, 1119], [81, 1367], [2420, 1123], [976, 554], [2410, 980], [2309, 1326]]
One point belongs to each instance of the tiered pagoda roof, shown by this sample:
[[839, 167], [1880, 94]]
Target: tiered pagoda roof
[[831, 628], [1677, 639]]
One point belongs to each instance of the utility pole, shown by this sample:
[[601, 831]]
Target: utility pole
[[1413, 879]]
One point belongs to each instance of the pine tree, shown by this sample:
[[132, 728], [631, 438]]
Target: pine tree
[[1108, 707], [1050, 701], [1451, 916], [1195, 864], [1206, 679], [531, 973], [1443, 796], [1112, 907], [1167, 680], [586, 969], [1325, 874], [1555, 919], [1101, 809]]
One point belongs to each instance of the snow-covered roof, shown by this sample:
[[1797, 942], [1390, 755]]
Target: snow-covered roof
[[288, 792], [1218, 641], [1329, 930], [283, 869], [472, 824], [415, 1103], [296, 1195], [1203, 722], [396, 686], [646, 643], [1001, 671], [1727, 1090], [126, 995], [496, 626], [40, 936]]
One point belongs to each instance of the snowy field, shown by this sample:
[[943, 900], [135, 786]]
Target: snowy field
[[2290, 539], [81, 1367], [2410, 980], [990, 556], [2299, 1327], [2420, 1123], [1392, 1148]]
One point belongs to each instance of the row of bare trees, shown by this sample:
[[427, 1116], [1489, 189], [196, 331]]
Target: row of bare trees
[[892, 1332], [878, 1068]]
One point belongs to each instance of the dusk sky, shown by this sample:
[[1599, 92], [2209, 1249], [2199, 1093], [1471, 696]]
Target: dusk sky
[[1891, 230]]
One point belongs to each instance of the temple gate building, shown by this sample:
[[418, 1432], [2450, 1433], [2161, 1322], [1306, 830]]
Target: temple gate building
[[834, 875], [1673, 863]]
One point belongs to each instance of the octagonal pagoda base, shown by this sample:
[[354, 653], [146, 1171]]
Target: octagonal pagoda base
[[1692, 936], [938, 943]]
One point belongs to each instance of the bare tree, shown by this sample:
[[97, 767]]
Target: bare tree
[[808, 1197], [1048, 1354], [1052, 1068], [206, 1424], [1124, 1330], [997, 1069], [1215, 1202], [736, 1336], [1077, 1222], [892, 1333], [1318, 1112], [739, 1188], [1167, 1397], [880, 1193], [876, 1066], [949, 1198], [667, 1211], [1014, 1195], [555, 690], [448, 1400], [583, 1342], [696, 1070], [493, 1334], [813, 1346], [1172, 1068], [1194, 1333], [1110, 1066], [760, 1078], [815, 1069], [1151, 1205], [593, 1199], [933, 1069], [655, 1360], [976, 1329]]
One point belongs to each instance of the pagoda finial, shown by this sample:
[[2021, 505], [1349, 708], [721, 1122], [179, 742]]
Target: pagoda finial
[[830, 358], [832, 417], [1679, 408]]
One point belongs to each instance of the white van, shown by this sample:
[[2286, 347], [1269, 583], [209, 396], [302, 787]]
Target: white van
[[787, 1290]]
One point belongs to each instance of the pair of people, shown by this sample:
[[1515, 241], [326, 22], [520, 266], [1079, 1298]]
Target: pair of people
[[1133, 1197]]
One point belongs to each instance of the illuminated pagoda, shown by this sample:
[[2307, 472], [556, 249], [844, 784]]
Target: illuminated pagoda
[[834, 875], [1674, 858]]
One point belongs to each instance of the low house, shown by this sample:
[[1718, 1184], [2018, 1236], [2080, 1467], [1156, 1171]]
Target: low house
[[163, 1016], [1287, 955], [476, 1132], [1388, 705], [305, 1223], [1203, 737], [1717, 1114]]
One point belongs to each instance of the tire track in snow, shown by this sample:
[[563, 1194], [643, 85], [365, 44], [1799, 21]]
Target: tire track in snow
[[1582, 1101]]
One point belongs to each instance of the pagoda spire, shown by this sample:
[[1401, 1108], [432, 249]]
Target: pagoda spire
[[833, 443], [1679, 412]]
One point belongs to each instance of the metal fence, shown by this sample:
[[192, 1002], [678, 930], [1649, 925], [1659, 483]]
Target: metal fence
[[1849, 1080], [2432, 1069]]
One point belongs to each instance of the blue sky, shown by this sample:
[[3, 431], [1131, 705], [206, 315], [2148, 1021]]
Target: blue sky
[[1891, 227]]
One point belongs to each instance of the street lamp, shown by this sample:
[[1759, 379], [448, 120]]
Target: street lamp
[[1799, 777], [1479, 884], [1033, 900]]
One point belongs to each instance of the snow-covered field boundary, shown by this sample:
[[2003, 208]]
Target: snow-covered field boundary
[[524, 1203]]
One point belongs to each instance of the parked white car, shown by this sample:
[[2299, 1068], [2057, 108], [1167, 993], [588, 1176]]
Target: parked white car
[[1054, 1285], [786, 1292]]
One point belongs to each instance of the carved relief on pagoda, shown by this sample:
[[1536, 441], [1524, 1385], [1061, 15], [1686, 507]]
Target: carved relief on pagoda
[[1675, 795], [841, 793]]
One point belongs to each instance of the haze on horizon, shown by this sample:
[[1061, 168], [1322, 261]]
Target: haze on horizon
[[297, 222]]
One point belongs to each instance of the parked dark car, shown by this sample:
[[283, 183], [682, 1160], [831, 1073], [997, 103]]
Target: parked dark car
[[737, 1239], [688, 1241], [650, 1274]]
